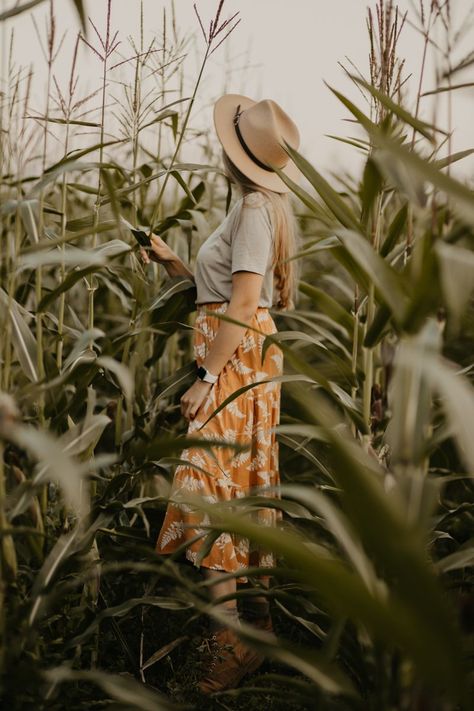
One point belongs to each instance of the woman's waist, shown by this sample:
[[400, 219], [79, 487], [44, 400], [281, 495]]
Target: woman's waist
[[221, 305], [210, 312]]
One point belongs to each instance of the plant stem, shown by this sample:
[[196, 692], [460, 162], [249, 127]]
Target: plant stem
[[178, 145], [355, 344], [92, 284], [369, 352], [62, 298]]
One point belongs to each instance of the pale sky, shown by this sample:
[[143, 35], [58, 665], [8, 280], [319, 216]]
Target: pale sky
[[293, 45]]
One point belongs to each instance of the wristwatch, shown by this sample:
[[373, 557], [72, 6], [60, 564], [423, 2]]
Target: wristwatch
[[205, 375]]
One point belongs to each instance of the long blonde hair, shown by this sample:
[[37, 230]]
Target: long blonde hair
[[286, 236]]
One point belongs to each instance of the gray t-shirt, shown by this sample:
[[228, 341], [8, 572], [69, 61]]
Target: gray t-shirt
[[243, 241]]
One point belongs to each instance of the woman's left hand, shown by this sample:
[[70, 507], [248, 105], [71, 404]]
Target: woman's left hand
[[193, 398]]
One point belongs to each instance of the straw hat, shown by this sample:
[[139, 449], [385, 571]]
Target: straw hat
[[251, 134]]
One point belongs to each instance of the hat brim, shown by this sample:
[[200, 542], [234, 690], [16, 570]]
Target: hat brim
[[224, 111]]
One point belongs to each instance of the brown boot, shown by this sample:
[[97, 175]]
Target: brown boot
[[229, 660], [254, 659]]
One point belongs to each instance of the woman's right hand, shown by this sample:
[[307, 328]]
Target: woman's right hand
[[158, 252]]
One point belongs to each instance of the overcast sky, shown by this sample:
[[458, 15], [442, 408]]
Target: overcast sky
[[294, 47]]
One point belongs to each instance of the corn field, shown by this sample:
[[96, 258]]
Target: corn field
[[372, 597]]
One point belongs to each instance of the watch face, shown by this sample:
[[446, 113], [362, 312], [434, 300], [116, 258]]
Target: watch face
[[201, 372]]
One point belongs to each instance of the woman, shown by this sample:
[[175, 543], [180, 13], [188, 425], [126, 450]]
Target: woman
[[242, 270]]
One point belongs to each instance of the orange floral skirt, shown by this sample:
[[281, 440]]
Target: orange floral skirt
[[224, 474]]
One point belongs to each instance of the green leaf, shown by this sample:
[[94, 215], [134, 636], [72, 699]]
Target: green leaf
[[456, 266], [18, 9], [73, 257], [163, 652], [200, 223], [304, 196], [357, 143], [123, 374], [82, 188], [244, 388], [395, 230], [127, 692], [55, 463], [29, 210], [397, 545], [67, 283], [331, 198], [451, 87], [388, 283], [337, 524], [74, 156], [180, 180], [111, 249], [66, 166], [164, 603], [24, 343], [462, 558], [169, 290], [401, 616], [456, 392], [414, 166], [378, 326], [161, 117], [453, 158], [175, 382], [420, 126], [328, 305], [82, 436], [410, 397], [64, 122], [371, 186], [196, 194]]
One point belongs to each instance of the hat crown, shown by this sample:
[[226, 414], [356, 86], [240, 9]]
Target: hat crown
[[263, 126], [254, 135]]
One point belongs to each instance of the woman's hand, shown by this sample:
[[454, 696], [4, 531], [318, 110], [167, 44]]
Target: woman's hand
[[158, 252], [193, 398]]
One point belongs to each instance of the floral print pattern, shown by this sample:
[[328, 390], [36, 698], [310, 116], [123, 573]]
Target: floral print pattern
[[223, 474]]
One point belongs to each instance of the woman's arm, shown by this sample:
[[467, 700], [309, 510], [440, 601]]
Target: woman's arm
[[246, 288], [161, 253]]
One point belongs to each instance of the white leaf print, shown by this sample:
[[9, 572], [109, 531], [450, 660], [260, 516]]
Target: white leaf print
[[190, 483], [185, 508], [247, 343], [194, 458], [200, 350], [223, 540], [174, 531], [258, 461], [191, 555], [240, 458], [262, 438], [235, 410], [242, 548], [266, 477], [278, 360], [230, 435], [240, 367], [195, 424], [266, 561]]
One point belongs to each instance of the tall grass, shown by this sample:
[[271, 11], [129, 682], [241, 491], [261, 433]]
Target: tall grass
[[372, 594]]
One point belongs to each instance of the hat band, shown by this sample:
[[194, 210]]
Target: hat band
[[245, 146]]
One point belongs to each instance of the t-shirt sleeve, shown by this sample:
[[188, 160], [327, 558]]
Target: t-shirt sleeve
[[252, 239]]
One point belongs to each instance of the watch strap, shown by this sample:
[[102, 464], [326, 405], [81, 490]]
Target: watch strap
[[205, 375]]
